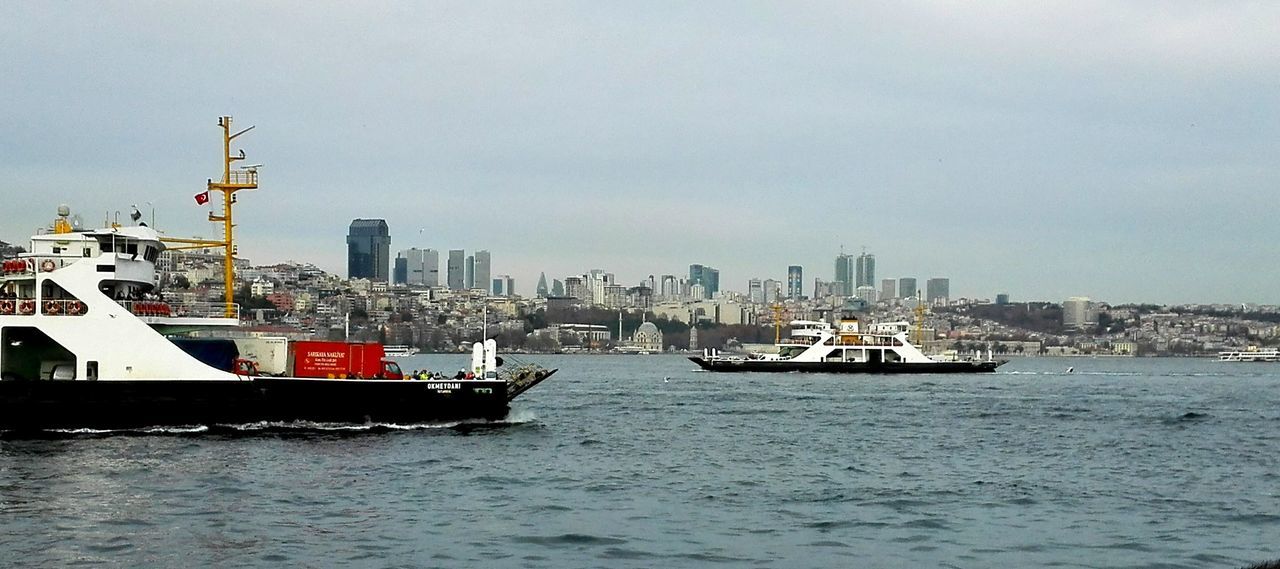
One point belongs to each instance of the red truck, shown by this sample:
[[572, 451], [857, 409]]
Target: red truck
[[341, 360]]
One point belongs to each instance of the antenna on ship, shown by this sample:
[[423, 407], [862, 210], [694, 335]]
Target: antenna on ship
[[232, 181]]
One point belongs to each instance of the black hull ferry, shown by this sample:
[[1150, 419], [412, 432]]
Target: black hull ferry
[[129, 404], [88, 341], [818, 347]]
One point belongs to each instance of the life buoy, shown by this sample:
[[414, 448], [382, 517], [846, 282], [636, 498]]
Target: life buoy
[[6, 307], [27, 307], [47, 265], [75, 308], [51, 307]]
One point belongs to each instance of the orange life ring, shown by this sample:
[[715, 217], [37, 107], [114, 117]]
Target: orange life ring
[[6, 306], [51, 307], [48, 265], [75, 308], [27, 307]]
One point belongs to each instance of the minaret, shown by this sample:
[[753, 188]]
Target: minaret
[[693, 337]]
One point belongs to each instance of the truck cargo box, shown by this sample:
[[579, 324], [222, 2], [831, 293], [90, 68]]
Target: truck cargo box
[[340, 360]]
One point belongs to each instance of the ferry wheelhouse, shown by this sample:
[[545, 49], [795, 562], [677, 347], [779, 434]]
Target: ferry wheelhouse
[[817, 346]]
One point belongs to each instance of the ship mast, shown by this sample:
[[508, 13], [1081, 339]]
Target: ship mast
[[232, 181]]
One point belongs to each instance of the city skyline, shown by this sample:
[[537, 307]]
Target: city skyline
[[985, 142]]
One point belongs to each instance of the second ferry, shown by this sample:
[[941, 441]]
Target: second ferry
[[817, 346]]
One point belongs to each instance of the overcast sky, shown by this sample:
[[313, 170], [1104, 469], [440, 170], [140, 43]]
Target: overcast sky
[[1123, 151]]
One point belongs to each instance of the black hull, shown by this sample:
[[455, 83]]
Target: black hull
[[845, 367], [30, 405]]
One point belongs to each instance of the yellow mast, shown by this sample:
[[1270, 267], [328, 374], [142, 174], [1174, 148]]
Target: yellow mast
[[777, 323], [919, 321], [231, 182]]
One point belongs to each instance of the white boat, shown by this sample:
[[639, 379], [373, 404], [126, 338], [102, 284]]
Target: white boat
[[398, 350], [817, 346], [1252, 354]]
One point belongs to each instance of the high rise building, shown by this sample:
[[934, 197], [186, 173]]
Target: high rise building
[[469, 273], [866, 271], [557, 287], [795, 282], [907, 287], [706, 276], [844, 274], [888, 289], [938, 290], [503, 285], [670, 287], [542, 291], [400, 271], [415, 266], [430, 268], [867, 293], [369, 250], [457, 257], [1078, 313], [576, 287], [755, 291], [772, 289], [482, 268]]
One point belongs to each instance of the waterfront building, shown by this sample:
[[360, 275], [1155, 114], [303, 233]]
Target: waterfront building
[[795, 282], [457, 257], [845, 274], [368, 250], [888, 289], [648, 337], [866, 271], [938, 290], [907, 287], [481, 270]]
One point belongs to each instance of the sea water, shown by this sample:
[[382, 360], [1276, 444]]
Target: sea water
[[641, 461]]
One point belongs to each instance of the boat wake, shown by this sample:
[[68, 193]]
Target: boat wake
[[299, 427]]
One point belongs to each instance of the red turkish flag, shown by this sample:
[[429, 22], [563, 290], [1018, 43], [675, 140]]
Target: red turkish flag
[[202, 197]]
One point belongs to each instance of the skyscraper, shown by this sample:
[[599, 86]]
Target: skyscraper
[[415, 266], [706, 276], [866, 271], [542, 291], [771, 290], [557, 287], [844, 274], [368, 250], [400, 271], [454, 267], [795, 282], [431, 268], [907, 287], [469, 273], [937, 290], [755, 291], [888, 289], [482, 271], [503, 285]]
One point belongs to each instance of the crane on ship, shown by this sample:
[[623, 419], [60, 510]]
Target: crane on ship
[[232, 181]]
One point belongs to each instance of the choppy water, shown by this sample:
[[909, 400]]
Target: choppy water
[[635, 461]]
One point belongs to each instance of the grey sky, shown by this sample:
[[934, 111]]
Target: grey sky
[[1122, 151]]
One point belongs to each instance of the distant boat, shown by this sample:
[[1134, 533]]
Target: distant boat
[[1250, 355], [399, 350], [816, 346]]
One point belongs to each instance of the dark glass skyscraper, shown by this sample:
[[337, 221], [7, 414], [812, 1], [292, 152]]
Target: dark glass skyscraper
[[795, 282], [368, 250]]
